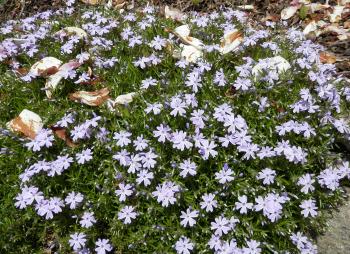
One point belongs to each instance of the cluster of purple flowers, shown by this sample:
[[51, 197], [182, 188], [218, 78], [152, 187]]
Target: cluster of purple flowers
[[205, 162]]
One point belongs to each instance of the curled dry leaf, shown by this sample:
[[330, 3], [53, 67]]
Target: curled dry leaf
[[120, 100], [247, 7], [289, 12], [27, 123], [188, 52], [183, 32], [311, 27], [61, 133], [92, 2], [53, 80], [327, 57], [72, 30], [336, 15], [172, 13], [118, 4], [94, 98], [276, 63], [314, 7], [343, 34], [46, 66], [231, 41]]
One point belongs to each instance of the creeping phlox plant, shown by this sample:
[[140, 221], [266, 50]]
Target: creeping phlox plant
[[216, 151]]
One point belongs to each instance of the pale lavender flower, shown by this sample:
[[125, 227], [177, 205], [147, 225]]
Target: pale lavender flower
[[155, 108], [179, 139], [145, 177], [242, 84], [183, 245], [309, 208], [267, 175], [206, 149], [220, 78], [126, 214], [146, 83], [188, 217], [162, 133], [87, 220], [243, 206], [44, 138], [84, 156], [271, 205], [209, 202], [329, 178], [188, 168], [158, 43], [122, 138], [253, 247], [178, 106], [74, 199], [124, 191], [148, 159], [221, 225], [66, 120], [77, 241], [103, 246], [224, 175], [306, 182], [140, 143], [165, 193]]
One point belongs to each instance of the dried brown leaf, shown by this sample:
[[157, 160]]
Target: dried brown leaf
[[27, 123], [94, 98], [327, 57], [61, 133]]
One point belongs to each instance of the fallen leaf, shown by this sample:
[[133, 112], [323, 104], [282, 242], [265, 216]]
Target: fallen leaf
[[231, 41], [247, 7], [276, 63], [46, 66], [118, 4], [183, 33], [125, 98], [314, 7], [172, 13], [72, 30], [27, 123], [336, 15], [231, 92], [311, 27], [347, 24], [53, 80], [188, 52], [91, 2], [289, 12], [269, 17], [120, 100], [327, 57], [94, 98], [61, 133], [343, 34]]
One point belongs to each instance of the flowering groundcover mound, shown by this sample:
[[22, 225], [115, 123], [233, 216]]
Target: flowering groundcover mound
[[145, 134]]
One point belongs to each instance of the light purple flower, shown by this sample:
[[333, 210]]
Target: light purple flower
[[243, 206], [183, 245], [77, 241], [309, 208], [209, 202], [87, 220], [103, 246], [188, 217], [126, 214], [84, 156]]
